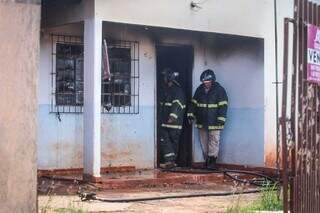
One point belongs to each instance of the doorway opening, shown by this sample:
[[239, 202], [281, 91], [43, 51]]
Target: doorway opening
[[180, 59]]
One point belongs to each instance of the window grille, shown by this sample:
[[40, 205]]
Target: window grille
[[119, 94], [67, 74]]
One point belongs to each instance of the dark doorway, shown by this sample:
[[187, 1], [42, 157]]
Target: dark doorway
[[179, 58]]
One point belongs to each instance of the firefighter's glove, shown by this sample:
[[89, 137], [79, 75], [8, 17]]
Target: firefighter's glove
[[190, 120], [221, 123], [171, 119]]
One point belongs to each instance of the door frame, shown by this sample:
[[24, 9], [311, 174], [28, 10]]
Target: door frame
[[190, 74]]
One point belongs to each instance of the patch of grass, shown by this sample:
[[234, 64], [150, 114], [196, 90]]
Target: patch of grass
[[46, 208], [268, 201], [240, 210], [69, 210]]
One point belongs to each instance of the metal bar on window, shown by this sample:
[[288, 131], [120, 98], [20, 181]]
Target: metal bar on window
[[67, 92], [123, 85], [65, 52]]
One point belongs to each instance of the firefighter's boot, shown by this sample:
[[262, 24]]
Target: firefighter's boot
[[211, 163], [168, 165]]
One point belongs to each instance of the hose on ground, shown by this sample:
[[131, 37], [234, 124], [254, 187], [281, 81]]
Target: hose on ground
[[92, 196], [228, 172]]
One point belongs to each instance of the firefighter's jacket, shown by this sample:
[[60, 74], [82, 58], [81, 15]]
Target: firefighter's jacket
[[209, 109], [172, 105]]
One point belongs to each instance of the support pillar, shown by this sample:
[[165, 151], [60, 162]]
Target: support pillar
[[19, 59], [92, 99]]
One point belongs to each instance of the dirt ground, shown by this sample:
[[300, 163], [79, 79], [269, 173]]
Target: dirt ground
[[199, 204], [58, 195]]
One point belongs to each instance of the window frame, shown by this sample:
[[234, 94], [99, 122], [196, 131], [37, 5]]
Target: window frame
[[76, 62], [132, 108]]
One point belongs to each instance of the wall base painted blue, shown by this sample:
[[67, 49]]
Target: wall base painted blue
[[242, 140], [125, 139], [129, 139]]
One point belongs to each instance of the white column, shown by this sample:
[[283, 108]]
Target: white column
[[92, 98]]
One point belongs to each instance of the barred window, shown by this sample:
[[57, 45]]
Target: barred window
[[119, 94], [69, 74]]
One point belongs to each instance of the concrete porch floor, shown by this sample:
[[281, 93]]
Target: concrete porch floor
[[60, 191], [155, 178], [139, 179]]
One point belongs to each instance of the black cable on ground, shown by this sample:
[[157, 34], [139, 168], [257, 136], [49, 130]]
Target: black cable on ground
[[252, 182], [93, 196], [227, 173], [251, 173]]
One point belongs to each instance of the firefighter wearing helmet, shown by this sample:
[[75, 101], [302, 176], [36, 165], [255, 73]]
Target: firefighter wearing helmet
[[209, 111], [172, 110]]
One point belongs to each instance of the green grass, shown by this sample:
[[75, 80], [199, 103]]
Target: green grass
[[69, 210], [268, 201]]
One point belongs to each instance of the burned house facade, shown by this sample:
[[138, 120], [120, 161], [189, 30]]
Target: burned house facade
[[89, 121]]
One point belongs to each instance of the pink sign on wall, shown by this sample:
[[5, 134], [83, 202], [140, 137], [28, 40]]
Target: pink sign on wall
[[313, 54]]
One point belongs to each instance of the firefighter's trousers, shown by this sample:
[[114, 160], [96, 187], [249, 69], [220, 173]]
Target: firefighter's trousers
[[210, 140], [169, 141]]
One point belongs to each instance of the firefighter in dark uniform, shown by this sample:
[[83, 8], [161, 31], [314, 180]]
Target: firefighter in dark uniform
[[209, 109], [172, 111]]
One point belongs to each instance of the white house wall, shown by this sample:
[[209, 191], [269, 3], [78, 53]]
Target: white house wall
[[126, 140], [253, 18], [60, 144], [244, 17], [239, 66], [129, 140]]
